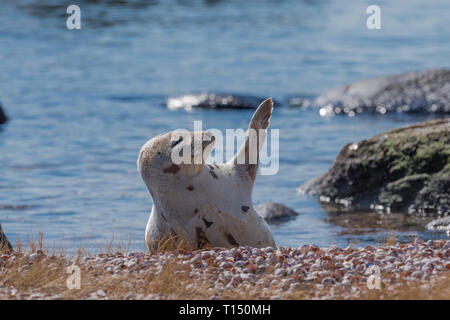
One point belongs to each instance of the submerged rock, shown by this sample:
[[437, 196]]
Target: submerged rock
[[402, 170], [213, 101], [275, 212], [357, 223], [5, 245], [425, 91], [3, 117], [442, 224]]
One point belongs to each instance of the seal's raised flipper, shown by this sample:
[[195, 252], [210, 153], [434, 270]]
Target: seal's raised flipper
[[248, 155], [5, 245]]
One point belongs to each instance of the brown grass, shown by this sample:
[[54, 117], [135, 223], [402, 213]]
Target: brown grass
[[171, 243], [47, 275], [414, 291]]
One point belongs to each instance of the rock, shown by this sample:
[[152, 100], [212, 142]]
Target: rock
[[406, 169], [3, 117], [275, 212], [425, 91], [442, 224], [5, 245], [213, 101]]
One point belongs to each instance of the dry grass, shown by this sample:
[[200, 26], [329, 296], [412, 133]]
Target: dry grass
[[47, 274], [414, 290], [171, 243]]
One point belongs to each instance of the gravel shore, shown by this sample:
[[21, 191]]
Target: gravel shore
[[307, 272]]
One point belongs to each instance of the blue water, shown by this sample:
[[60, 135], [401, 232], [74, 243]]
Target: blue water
[[82, 102]]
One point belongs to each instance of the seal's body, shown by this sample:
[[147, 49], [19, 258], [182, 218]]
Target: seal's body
[[205, 205]]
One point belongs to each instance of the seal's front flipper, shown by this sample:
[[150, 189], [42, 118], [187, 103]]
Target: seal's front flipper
[[248, 155]]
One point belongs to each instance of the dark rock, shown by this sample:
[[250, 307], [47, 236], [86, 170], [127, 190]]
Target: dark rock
[[302, 102], [3, 117], [213, 101], [426, 91], [5, 245], [275, 212], [401, 170], [442, 224]]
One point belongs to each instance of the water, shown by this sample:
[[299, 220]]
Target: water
[[83, 102]]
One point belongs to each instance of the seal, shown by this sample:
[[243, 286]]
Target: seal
[[202, 204]]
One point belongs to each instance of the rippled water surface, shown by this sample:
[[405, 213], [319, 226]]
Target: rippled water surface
[[82, 103]]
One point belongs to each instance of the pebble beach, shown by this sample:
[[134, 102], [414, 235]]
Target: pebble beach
[[306, 272]]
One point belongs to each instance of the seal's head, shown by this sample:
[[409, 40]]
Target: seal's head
[[174, 154]]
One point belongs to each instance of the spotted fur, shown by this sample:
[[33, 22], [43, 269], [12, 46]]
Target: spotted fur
[[207, 223], [173, 168], [231, 239], [202, 239]]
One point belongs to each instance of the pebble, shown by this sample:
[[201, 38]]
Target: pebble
[[334, 272], [259, 260], [101, 293], [280, 272]]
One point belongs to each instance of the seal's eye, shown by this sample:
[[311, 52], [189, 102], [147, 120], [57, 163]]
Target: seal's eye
[[176, 142]]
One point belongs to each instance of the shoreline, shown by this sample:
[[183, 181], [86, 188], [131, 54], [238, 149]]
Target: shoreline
[[416, 270]]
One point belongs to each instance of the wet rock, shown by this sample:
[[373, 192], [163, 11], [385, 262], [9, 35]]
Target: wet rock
[[425, 91], [3, 117], [356, 223], [402, 170], [213, 101], [275, 212], [5, 245], [442, 224]]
